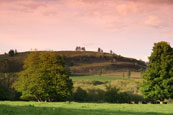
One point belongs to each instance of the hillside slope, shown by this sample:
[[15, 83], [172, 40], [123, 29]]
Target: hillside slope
[[84, 62]]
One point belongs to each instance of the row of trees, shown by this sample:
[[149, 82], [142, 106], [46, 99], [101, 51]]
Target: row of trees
[[12, 52], [78, 48], [111, 94], [100, 50]]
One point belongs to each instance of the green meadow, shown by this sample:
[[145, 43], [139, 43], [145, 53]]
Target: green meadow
[[73, 108], [96, 78]]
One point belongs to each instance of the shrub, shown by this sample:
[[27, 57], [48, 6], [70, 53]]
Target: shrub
[[95, 95], [4, 93], [80, 95], [111, 94]]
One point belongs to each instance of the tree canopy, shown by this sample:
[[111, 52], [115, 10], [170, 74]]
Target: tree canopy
[[45, 78], [8, 66], [4, 92], [158, 78]]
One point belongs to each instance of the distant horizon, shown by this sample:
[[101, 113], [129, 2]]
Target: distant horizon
[[128, 27], [31, 50]]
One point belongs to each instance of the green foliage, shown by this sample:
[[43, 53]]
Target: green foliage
[[80, 95], [129, 74], [7, 90], [8, 66], [158, 78], [123, 75], [102, 71], [111, 94], [96, 95], [96, 78], [44, 78], [128, 89], [4, 92]]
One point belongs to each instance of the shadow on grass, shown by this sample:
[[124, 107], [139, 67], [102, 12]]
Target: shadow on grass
[[32, 110]]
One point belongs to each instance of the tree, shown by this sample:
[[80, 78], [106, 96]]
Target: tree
[[44, 78], [158, 78], [83, 48], [77, 48], [101, 72], [111, 52], [11, 53], [4, 95], [9, 66], [129, 74], [15, 52], [99, 49]]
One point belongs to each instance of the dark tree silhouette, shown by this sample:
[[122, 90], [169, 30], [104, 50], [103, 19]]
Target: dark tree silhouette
[[11, 53], [83, 48], [99, 49]]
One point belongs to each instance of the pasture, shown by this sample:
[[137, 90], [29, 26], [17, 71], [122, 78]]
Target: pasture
[[109, 77], [96, 78], [73, 108], [115, 79]]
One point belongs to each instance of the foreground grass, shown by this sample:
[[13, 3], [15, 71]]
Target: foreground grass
[[96, 78], [64, 108]]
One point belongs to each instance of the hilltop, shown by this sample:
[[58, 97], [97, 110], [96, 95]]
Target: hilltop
[[84, 62]]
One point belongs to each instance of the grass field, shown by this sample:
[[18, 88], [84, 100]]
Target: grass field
[[96, 78], [124, 84], [108, 77], [64, 108]]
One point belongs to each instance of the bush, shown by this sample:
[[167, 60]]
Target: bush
[[95, 95], [80, 95], [111, 94], [97, 82], [4, 93]]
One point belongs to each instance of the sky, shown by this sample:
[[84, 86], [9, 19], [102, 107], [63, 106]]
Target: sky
[[128, 27]]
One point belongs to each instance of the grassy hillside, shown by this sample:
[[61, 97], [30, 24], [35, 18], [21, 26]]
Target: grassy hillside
[[85, 62]]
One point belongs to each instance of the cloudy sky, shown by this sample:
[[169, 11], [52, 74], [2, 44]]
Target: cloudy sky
[[128, 27]]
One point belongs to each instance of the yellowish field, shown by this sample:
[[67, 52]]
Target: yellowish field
[[134, 75]]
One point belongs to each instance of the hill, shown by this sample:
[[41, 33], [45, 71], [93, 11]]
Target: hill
[[80, 62]]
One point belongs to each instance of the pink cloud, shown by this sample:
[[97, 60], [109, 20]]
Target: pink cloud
[[105, 13], [84, 21], [153, 21]]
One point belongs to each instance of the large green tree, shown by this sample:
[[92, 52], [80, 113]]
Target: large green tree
[[158, 78], [45, 78]]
